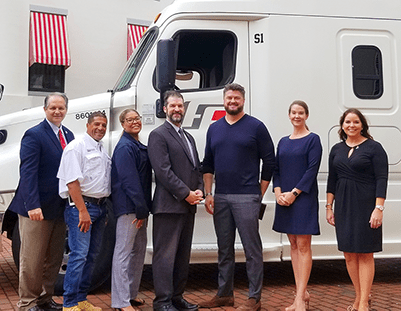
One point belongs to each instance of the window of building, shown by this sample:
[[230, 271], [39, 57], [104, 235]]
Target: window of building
[[367, 72], [46, 78], [135, 31], [49, 54]]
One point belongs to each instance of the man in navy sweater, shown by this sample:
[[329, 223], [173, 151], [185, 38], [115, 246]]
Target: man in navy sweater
[[235, 145]]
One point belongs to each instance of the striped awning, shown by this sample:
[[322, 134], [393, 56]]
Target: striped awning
[[135, 33], [49, 40]]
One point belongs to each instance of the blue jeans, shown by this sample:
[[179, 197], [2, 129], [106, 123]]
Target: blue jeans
[[84, 248]]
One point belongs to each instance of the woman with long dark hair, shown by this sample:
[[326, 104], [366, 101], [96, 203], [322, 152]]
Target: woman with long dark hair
[[357, 185]]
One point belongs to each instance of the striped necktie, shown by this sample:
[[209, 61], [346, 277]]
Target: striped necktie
[[61, 138]]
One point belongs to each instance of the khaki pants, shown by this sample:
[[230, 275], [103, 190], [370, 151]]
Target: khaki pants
[[41, 254]]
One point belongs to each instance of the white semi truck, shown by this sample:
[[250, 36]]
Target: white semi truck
[[331, 54]]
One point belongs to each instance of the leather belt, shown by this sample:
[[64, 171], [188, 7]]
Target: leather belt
[[94, 200]]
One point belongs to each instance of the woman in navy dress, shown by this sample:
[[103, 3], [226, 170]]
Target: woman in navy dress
[[358, 174], [295, 187], [131, 184]]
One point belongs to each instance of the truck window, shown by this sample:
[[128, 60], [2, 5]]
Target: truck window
[[187, 79], [136, 60], [208, 58], [367, 72]]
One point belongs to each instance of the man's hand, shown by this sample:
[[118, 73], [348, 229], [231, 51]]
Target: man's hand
[[199, 193], [74, 189], [36, 214], [84, 221], [194, 197], [209, 204]]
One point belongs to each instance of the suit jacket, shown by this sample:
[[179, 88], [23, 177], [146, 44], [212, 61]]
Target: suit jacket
[[40, 156], [175, 173]]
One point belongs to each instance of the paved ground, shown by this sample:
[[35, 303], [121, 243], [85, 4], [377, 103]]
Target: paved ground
[[329, 286]]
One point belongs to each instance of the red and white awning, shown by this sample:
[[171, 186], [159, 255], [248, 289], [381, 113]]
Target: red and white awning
[[49, 40], [135, 33]]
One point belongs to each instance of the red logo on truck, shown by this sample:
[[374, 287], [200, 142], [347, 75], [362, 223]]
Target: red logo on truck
[[218, 114]]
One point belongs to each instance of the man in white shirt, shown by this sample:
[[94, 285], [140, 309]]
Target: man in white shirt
[[84, 178]]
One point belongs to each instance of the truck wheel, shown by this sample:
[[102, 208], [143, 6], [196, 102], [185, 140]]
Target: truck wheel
[[102, 270]]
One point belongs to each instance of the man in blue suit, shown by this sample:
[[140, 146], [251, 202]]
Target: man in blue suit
[[39, 207]]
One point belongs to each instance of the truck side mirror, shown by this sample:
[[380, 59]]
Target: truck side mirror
[[165, 71], [166, 64], [1, 91]]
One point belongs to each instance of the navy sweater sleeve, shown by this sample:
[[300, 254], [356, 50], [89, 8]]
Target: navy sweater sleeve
[[208, 164], [266, 152]]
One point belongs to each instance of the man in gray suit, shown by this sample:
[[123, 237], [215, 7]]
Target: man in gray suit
[[174, 158]]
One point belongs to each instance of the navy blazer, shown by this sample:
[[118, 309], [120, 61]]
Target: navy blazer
[[131, 178], [40, 156], [175, 173]]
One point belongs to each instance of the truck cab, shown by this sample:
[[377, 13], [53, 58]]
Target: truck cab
[[333, 56]]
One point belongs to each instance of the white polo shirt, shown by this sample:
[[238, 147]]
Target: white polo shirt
[[85, 160]]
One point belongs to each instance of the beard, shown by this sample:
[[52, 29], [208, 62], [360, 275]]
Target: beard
[[175, 117], [234, 112]]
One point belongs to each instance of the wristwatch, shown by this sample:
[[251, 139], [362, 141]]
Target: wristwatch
[[295, 193], [380, 207]]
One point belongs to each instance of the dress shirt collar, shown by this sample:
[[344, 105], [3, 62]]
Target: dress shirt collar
[[177, 128], [54, 127]]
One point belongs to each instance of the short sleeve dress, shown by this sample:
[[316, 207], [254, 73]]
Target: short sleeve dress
[[297, 165], [356, 181]]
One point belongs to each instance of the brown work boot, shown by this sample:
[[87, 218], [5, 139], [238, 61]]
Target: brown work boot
[[217, 301], [87, 306], [250, 305]]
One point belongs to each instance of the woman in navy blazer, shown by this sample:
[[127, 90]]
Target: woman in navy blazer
[[131, 182]]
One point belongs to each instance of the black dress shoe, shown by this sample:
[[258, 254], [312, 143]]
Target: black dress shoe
[[165, 308], [35, 308], [182, 305], [137, 302], [51, 306]]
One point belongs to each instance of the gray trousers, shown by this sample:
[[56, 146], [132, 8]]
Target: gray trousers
[[128, 259], [231, 212], [172, 240], [41, 254]]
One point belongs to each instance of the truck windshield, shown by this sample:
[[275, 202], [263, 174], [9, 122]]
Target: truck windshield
[[136, 60]]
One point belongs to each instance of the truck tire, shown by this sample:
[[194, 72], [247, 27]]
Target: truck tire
[[102, 270]]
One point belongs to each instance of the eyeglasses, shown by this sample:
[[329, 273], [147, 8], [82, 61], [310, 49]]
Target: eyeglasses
[[131, 121]]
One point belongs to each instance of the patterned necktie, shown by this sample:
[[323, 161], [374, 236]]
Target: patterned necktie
[[61, 138], [186, 145]]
